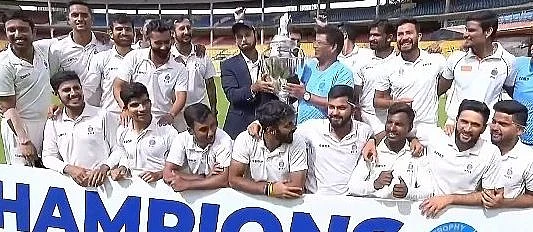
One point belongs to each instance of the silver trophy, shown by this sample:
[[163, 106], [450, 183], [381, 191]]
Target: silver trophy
[[282, 60]]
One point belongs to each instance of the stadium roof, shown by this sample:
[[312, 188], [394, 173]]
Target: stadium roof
[[143, 2]]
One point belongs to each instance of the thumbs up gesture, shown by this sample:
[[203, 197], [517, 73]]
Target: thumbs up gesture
[[400, 190]]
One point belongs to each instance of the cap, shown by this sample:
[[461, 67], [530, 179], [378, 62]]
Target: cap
[[240, 24]]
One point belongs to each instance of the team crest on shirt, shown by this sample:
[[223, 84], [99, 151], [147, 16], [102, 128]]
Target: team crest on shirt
[[90, 130], [281, 165], [167, 78], [469, 168], [493, 73], [509, 173], [410, 167], [151, 142]]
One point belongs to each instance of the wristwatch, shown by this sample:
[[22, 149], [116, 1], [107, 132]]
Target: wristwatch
[[307, 96]]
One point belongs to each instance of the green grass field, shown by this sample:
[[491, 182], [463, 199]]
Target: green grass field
[[222, 106]]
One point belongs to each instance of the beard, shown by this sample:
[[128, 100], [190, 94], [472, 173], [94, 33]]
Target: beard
[[339, 122], [470, 142]]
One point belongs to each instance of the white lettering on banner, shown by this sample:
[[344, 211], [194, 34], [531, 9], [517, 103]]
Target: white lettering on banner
[[44, 200]]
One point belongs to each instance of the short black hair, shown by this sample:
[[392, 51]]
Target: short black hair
[[350, 30], [62, 76], [334, 36], [383, 25], [78, 2], [486, 19], [342, 91], [513, 108], [197, 112], [159, 26], [399, 107], [19, 15], [181, 18], [273, 112], [476, 106], [121, 19], [411, 21], [132, 90]]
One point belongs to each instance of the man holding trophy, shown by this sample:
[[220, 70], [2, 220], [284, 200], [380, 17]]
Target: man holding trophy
[[242, 79]]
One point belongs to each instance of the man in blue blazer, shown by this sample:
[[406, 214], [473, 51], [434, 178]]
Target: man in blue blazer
[[242, 81]]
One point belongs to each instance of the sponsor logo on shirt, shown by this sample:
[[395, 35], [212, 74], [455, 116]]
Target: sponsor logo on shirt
[[257, 161], [24, 76], [426, 64], [127, 141], [61, 134], [523, 78], [323, 145], [438, 154]]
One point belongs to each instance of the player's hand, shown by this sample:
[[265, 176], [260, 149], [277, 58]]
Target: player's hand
[[449, 129], [97, 176], [416, 147], [384, 178], [120, 173], [254, 130], [166, 119], [54, 111], [262, 86], [200, 50], [400, 190], [432, 206], [369, 151], [216, 170], [125, 118], [150, 177], [405, 100], [29, 152], [178, 184], [281, 190], [78, 174], [296, 90], [492, 198]]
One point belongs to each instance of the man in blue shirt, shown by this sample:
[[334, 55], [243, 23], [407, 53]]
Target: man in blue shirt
[[523, 93], [320, 74]]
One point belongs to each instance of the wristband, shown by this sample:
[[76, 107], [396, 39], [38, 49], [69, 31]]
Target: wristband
[[265, 191]]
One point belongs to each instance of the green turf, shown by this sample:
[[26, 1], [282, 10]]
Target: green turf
[[222, 107]]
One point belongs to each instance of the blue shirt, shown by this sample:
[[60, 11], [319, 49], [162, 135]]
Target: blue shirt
[[523, 93], [319, 83]]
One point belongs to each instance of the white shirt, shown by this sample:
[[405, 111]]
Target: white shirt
[[147, 150], [253, 67], [29, 83], [413, 170], [517, 170], [369, 74], [185, 153], [162, 82], [478, 79], [199, 69], [332, 162], [270, 166], [67, 55], [86, 141], [416, 80], [103, 69], [455, 172], [356, 59]]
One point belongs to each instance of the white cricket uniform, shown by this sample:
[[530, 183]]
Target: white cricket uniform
[[30, 84], [416, 80], [413, 170], [199, 69], [162, 82], [455, 172], [86, 141], [144, 151], [270, 166], [478, 79], [103, 69], [192, 159], [517, 170], [355, 60], [332, 162], [369, 74], [67, 55]]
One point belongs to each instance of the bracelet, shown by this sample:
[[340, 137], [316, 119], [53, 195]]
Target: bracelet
[[265, 191], [270, 188]]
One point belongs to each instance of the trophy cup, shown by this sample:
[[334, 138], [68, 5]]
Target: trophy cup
[[282, 60]]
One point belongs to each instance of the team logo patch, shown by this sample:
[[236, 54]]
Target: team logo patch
[[454, 227], [281, 165], [493, 73], [90, 130], [469, 168], [151, 142]]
